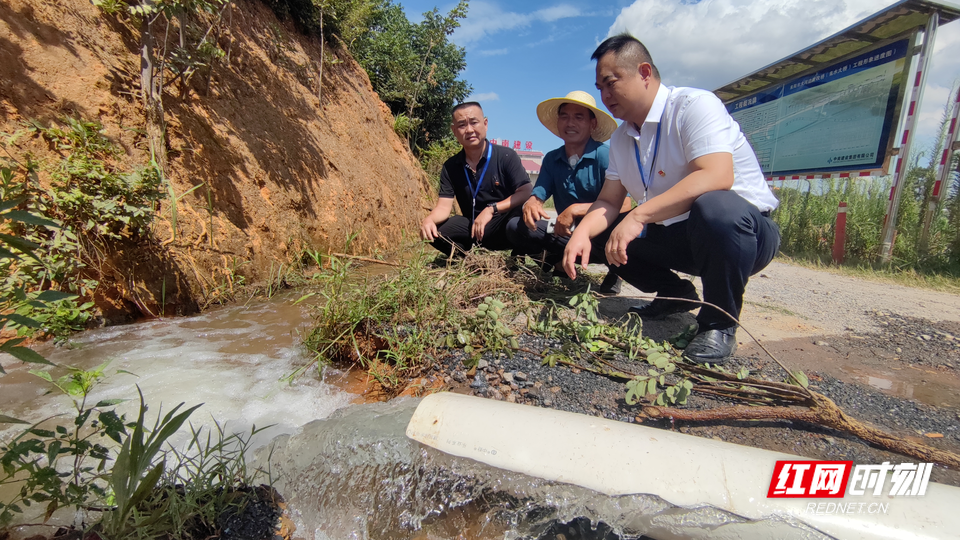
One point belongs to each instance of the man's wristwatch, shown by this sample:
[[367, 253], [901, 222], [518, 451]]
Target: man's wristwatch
[[493, 205]]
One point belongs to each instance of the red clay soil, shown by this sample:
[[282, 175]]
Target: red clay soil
[[283, 172]]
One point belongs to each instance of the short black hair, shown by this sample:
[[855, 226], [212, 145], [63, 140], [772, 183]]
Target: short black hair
[[464, 105], [560, 108], [628, 50]]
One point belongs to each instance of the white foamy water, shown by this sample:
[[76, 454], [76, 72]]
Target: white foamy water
[[352, 474], [231, 359]]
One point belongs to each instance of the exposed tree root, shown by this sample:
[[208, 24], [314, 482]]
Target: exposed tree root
[[367, 259], [795, 403], [822, 411]]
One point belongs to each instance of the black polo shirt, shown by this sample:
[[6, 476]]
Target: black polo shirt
[[504, 177]]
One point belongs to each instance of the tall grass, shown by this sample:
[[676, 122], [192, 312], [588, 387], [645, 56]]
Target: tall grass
[[360, 316], [392, 324], [807, 218]]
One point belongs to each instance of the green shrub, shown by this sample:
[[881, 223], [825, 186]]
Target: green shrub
[[433, 157], [404, 126], [807, 218], [99, 460], [355, 308], [90, 205]]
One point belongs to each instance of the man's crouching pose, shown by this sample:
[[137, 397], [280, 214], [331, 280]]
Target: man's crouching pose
[[704, 206]]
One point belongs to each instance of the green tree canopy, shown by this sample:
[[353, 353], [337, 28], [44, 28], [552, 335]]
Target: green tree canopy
[[414, 67]]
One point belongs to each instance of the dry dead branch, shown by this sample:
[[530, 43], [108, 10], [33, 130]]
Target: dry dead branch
[[822, 411], [816, 408]]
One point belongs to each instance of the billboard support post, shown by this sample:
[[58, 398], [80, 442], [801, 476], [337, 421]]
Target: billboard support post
[[840, 233], [903, 157], [943, 174]]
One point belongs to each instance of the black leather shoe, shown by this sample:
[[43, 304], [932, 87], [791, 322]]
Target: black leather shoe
[[712, 346], [659, 308], [610, 285], [552, 263]]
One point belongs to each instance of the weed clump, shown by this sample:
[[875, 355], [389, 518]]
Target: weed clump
[[144, 489], [393, 325]]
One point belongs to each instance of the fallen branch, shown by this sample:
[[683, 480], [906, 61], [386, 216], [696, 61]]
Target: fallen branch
[[820, 409], [623, 346], [599, 359], [367, 259], [597, 370], [740, 394], [737, 322], [824, 412]]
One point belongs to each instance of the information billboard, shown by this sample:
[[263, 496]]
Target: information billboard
[[837, 119]]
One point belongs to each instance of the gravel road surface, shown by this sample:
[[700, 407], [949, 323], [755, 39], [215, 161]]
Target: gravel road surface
[[887, 354]]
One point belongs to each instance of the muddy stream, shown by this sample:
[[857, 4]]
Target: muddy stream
[[347, 469]]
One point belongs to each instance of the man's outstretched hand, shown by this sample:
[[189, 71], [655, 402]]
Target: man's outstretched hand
[[577, 248], [532, 212], [627, 231], [428, 230]]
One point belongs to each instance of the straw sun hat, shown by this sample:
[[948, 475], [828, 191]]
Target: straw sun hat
[[548, 110]]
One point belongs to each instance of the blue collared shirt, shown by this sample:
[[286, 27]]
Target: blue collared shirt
[[570, 185]]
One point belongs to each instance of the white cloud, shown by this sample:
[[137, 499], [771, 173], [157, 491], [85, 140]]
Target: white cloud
[[713, 42], [486, 96], [929, 122], [941, 79], [493, 52], [555, 13], [486, 19], [931, 111]]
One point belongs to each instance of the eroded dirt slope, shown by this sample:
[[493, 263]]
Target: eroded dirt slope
[[278, 171]]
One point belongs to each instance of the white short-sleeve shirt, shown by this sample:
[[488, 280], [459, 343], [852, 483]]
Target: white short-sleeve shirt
[[692, 123]]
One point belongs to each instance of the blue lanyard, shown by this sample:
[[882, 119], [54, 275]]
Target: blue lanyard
[[656, 149], [483, 173]]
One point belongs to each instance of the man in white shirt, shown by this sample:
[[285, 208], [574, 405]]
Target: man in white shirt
[[704, 206]]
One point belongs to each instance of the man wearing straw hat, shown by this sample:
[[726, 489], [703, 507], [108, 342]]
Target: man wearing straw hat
[[572, 174], [704, 206], [488, 182]]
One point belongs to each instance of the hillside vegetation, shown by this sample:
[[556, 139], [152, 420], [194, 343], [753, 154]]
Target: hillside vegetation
[[252, 151]]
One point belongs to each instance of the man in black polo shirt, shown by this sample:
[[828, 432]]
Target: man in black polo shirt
[[488, 182]]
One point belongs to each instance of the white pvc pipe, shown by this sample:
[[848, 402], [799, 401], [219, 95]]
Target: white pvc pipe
[[617, 458]]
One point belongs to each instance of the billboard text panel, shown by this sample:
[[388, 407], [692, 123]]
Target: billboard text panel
[[836, 119]]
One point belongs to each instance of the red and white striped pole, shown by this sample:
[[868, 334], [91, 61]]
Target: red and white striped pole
[[840, 233], [890, 221], [943, 172], [952, 137]]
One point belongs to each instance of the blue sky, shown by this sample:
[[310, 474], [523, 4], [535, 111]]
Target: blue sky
[[521, 53]]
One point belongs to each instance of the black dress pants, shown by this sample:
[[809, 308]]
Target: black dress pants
[[527, 242], [456, 231], [724, 241], [534, 242]]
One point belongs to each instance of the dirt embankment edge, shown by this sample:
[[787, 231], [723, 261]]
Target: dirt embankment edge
[[278, 170]]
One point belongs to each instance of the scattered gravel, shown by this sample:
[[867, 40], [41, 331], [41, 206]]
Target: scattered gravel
[[568, 389], [909, 340], [835, 304], [850, 318]]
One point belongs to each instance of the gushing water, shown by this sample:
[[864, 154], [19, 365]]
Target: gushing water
[[356, 475], [349, 474], [232, 360]]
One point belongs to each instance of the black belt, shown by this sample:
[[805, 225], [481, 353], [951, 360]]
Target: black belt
[[765, 214]]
